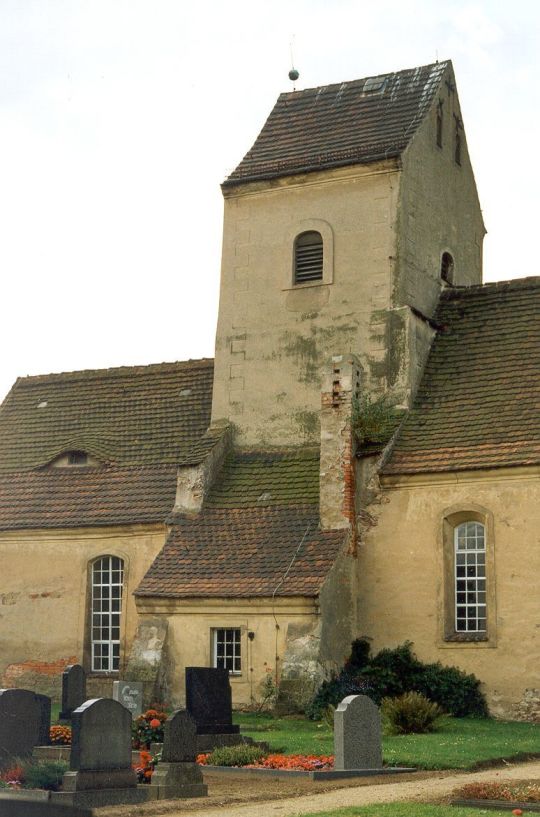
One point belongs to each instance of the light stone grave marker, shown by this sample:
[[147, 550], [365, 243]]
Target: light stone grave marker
[[357, 734], [130, 695]]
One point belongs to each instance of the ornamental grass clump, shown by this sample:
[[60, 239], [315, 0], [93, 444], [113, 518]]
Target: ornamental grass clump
[[411, 713], [240, 755]]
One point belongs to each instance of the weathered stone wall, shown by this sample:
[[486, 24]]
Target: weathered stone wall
[[189, 637], [402, 576], [438, 210], [44, 597], [273, 339]]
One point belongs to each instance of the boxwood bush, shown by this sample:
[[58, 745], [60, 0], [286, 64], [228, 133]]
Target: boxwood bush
[[391, 673]]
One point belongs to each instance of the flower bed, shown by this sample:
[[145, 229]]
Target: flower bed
[[304, 763], [524, 792]]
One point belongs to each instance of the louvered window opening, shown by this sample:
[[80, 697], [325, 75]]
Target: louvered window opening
[[308, 258]]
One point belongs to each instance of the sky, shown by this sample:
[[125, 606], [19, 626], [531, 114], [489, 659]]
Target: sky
[[119, 119]]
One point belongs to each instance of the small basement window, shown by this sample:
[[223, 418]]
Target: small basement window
[[308, 257]]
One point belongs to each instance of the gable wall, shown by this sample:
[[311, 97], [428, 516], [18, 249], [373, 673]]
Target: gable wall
[[402, 573]]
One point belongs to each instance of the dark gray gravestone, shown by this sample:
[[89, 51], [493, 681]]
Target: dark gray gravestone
[[209, 700], [24, 806], [357, 734], [73, 690], [20, 720], [179, 738], [44, 703], [177, 774]]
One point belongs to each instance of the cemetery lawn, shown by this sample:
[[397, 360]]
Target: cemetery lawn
[[460, 743], [408, 810]]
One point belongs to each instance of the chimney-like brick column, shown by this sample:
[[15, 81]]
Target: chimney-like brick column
[[341, 384]]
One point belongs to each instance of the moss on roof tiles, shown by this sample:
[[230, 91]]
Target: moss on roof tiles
[[132, 415], [262, 478], [478, 405]]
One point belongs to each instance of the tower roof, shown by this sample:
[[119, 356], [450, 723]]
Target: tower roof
[[357, 122]]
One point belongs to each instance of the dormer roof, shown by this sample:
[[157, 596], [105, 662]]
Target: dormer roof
[[357, 122]]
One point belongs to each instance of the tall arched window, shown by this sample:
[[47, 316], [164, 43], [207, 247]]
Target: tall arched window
[[470, 577], [308, 257], [447, 268], [107, 576]]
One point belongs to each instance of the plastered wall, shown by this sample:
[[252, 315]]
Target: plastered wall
[[43, 597], [401, 576]]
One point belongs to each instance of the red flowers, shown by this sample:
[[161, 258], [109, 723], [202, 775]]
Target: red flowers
[[155, 723], [307, 763]]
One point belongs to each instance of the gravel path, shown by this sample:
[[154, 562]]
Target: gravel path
[[424, 788]]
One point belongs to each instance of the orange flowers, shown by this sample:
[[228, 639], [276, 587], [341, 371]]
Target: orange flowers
[[307, 763], [60, 735], [155, 723]]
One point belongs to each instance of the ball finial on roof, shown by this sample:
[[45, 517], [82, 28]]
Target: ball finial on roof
[[293, 74]]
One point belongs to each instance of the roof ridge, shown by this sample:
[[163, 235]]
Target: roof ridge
[[442, 63], [528, 282], [114, 371]]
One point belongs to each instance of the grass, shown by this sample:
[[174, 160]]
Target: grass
[[460, 743], [408, 810]]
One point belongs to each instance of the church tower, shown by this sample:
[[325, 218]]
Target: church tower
[[355, 206]]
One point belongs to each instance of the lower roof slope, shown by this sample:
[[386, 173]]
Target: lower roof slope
[[258, 534], [478, 405]]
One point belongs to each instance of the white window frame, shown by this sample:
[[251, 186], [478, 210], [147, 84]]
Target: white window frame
[[107, 580], [470, 569], [227, 652]]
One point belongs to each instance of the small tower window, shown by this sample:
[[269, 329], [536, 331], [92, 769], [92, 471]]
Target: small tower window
[[439, 124], [308, 257], [447, 268], [457, 147]]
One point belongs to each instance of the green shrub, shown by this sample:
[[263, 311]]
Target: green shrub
[[46, 775], [241, 755], [410, 713], [391, 673]]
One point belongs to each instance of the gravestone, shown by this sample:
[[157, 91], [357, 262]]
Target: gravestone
[[177, 774], [44, 703], [24, 805], [130, 695], [100, 761], [357, 734], [73, 690], [209, 700], [20, 724]]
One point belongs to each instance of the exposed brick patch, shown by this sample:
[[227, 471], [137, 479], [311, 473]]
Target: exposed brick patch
[[13, 672]]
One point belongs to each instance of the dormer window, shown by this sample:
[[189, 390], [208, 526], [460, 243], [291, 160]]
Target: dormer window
[[308, 257], [77, 458]]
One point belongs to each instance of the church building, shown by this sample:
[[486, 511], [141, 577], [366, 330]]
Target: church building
[[360, 459]]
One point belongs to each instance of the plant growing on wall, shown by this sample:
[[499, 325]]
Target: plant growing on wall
[[375, 419]]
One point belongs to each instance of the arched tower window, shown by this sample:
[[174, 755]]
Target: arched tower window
[[447, 268], [107, 577], [470, 577], [308, 257]]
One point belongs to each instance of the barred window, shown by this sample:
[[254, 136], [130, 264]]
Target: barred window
[[308, 257], [107, 582], [226, 650], [470, 577]]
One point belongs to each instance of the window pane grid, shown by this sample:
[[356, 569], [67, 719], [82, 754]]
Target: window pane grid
[[470, 578], [107, 580], [226, 648]]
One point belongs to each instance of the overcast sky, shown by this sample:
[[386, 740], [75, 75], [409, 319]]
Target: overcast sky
[[120, 118]]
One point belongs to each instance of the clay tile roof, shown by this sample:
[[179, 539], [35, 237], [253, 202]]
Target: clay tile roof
[[58, 498], [478, 405], [356, 122], [133, 415], [261, 519]]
